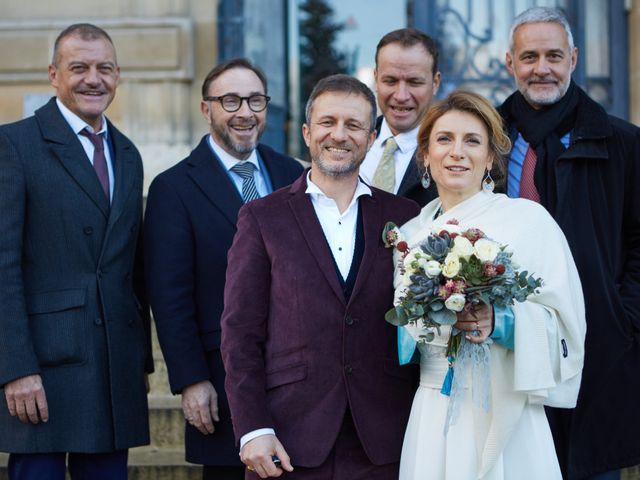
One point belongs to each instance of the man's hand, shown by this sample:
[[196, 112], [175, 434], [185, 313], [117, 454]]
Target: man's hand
[[257, 455], [476, 324], [26, 399], [200, 406]]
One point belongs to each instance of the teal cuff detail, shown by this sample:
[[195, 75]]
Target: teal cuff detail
[[406, 347], [503, 331]]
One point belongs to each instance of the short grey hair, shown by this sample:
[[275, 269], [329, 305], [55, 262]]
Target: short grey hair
[[341, 83], [541, 15]]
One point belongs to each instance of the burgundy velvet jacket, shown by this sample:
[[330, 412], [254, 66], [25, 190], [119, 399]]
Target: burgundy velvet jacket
[[296, 354]]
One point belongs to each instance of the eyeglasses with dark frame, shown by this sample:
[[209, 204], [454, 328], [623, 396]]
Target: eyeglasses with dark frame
[[232, 102]]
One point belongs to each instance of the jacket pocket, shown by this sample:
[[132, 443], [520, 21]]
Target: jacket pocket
[[58, 325], [286, 375]]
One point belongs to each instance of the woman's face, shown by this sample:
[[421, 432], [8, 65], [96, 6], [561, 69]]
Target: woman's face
[[458, 156]]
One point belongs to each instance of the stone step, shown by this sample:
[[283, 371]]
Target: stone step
[[166, 421], [151, 463], [158, 380]]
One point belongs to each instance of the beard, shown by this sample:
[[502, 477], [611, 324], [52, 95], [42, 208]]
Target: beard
[[337, 169], [243, 149], [543, 98]]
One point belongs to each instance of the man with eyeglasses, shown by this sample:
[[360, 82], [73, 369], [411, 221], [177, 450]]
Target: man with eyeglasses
[[189, 225]]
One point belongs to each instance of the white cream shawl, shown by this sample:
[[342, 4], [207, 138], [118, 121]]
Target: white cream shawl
[[546, 363]]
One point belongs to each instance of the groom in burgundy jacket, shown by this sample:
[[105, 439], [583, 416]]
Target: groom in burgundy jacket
[[312, 369]]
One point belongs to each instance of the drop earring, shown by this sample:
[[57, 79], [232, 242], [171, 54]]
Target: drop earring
[[426, 179], [488, 184]]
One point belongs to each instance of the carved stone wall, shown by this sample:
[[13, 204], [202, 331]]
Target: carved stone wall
[[164, 48]]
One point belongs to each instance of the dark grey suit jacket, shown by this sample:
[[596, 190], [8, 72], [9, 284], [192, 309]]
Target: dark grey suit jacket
[[68, 310]]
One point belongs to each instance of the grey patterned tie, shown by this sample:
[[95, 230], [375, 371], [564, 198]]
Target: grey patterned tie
[[385, 175], [245, 170]]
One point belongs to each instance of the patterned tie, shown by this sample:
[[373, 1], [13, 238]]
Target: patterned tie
[[245, 170], [385, 175], [99, 160], [527, 185]]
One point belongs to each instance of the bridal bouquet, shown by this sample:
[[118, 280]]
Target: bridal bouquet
[[450, 271]]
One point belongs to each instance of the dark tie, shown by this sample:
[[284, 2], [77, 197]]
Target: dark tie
[[249, 190], [527, 184], [99, 160]]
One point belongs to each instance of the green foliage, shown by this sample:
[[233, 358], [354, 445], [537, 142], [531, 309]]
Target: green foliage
[[318, 54]]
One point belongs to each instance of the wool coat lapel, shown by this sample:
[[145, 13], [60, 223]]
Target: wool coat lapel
[[66, 147], [207, 173]]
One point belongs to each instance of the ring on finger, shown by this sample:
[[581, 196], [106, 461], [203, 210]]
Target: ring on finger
[[250, 468]]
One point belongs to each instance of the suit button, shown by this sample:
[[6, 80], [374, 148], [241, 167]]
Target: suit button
[[349, 320], [88, 230], [348, 369], [98, 321]]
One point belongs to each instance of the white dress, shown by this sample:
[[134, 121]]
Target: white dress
[[427, 454], [512, 440]]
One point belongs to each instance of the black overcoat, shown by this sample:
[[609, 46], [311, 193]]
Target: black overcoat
[[68, 309], [190, 221], [598, 209]]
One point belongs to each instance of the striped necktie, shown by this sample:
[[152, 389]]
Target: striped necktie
[[385, 174], [99, 160], [527, 184], [245, 170]]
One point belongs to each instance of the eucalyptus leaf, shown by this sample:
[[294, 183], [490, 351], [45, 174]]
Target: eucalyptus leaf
[[396, 316], [443, 317]]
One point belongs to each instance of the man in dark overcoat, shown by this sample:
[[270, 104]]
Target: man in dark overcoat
[[190, 221], [75, 339], [584, 167]]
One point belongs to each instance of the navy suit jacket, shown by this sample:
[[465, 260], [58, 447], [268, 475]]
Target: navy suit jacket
[[190, 222]]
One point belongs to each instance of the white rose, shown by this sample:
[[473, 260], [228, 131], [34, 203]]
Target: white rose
[[462, 247], [451, 265], [455, 302], [486, 250], [432, 268]]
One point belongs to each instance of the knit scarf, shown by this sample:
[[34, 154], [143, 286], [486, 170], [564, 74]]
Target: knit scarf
[[542, 129]]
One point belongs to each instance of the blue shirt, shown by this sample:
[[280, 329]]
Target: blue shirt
[[516, 160]]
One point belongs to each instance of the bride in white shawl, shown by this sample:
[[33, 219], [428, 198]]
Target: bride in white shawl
[[536, 352]]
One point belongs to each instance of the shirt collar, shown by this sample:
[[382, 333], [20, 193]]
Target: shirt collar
[[318, 195], [407, 141], [76, 123], [229, 161]]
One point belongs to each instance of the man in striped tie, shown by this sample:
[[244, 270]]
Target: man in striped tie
[[189, 224], [584, 167]]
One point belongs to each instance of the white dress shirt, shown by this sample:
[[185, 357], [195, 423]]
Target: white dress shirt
[[77, 125], [407, 144], [340, 231]]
